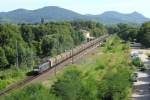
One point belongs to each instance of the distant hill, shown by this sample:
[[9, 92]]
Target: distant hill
[[53, 13], [116, 17]]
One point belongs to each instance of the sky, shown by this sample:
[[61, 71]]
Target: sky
[[81, 6]]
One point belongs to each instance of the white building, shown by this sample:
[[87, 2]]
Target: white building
[[87, 35]]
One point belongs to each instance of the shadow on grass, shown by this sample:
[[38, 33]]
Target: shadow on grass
[[31, 73]]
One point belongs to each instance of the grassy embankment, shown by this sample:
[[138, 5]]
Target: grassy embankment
[[12, 75], [102, 75]]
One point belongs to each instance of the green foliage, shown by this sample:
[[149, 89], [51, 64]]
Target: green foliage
[[48, 42], [114, 83], [100, 77], [95, 28], [45, 39], [32, 92], [132, 32], [36, 41], [77, 37], [136, 62], [106, 79], [125, 31], [114, 44], [73, 86], [12, 75], [26, 32], [144, 34], [3, 59], [69, 85], [139, 64], [9, 35]]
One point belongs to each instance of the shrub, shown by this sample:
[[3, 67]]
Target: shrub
[[32, 92], [136, 62]]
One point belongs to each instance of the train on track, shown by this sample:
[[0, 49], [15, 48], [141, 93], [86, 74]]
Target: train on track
[[54, 61]]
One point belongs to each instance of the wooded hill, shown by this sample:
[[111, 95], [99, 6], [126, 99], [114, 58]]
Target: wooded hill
[[53, 13]]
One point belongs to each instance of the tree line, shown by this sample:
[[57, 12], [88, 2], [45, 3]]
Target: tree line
[[35, 41], [132, 32]]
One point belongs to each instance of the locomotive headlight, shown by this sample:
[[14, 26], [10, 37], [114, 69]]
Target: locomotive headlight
[[35, 70]]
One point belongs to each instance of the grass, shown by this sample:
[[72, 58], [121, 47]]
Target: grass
[[12, 75]]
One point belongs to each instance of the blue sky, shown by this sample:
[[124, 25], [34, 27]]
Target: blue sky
[[82, 6]]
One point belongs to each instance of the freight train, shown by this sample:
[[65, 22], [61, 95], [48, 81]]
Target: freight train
[[52, 62]]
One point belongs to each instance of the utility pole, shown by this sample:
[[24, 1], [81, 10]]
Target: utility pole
[[55, 66], [55, 70], [17, 65], [72, 55], [31, 56]]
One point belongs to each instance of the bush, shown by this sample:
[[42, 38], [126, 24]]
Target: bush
[[137, 62], [73, 86], [12, 75], [69, 86], [32, 92]]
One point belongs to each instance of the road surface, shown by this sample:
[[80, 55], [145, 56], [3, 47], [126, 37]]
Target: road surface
[[141, 88]]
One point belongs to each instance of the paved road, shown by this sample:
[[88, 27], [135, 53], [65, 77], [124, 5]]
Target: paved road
[[141, 87], [141, 90]]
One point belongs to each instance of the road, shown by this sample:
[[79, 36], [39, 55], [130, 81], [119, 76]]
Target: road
[[141, 89]]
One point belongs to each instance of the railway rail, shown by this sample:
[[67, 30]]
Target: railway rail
[[31, 78]]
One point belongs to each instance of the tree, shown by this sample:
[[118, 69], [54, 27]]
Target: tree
[[125, 31], [27, 34], [3, 59], [74, 86], [144, 34], [69, 86], [78, 37], [44, 39], [47, 45], [10, 53]]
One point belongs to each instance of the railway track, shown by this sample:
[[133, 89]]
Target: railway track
[[67, 61]]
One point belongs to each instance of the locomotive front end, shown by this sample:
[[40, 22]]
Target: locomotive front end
[[36, 70]]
